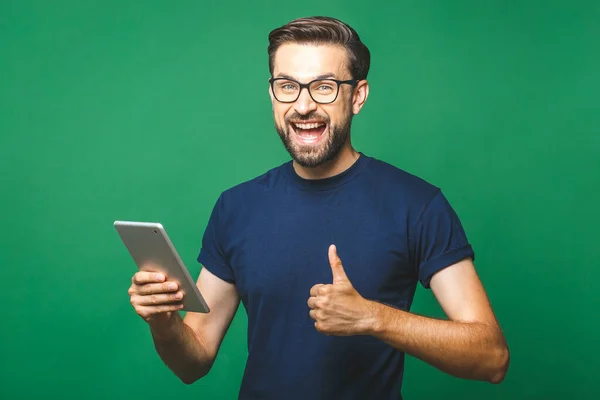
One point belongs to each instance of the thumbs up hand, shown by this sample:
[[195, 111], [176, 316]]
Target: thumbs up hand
[[337, 308]]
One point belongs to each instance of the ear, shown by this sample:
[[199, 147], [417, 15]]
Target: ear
[[271, 93], [361, 92]]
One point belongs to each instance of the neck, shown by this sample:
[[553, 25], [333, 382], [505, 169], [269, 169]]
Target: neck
[[342, 162]]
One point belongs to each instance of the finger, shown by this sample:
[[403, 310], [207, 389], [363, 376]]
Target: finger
[[143, 277], [324, 290], [312, 302], [314, 291], [156, 288], [313, 314], [339, 275], [157, 299], [320, 328]]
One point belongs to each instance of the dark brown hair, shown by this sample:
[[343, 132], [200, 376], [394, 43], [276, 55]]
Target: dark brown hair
[[323, 30]]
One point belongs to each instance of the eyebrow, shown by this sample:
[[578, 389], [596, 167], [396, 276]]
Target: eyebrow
[[323, 76]]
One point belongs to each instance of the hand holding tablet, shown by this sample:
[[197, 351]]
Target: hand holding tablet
[[162, 284]]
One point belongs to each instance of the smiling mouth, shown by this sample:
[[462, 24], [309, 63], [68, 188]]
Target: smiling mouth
[[308, 132]]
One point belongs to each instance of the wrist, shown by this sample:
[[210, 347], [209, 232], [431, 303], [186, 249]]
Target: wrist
[[375, 318], [165, 328]]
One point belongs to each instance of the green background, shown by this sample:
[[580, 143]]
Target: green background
[[148, 110]]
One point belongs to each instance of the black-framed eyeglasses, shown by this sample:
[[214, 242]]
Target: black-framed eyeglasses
[[322, 91]]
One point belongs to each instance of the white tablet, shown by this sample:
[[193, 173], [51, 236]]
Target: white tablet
[[152, 250]]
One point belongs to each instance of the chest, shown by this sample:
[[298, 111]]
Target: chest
[[281, 250]]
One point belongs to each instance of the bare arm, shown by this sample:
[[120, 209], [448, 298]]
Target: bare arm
[[187, 346], [469, 345]]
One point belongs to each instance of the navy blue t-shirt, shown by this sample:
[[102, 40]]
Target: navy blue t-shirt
[[270, 237]]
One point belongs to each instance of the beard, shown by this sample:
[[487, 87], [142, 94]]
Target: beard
[[313, 156]]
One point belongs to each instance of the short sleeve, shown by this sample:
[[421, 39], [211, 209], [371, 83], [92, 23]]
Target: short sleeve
[[212, 254], [438, 239]]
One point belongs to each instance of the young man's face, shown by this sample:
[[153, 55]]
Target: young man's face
[[312, 133]]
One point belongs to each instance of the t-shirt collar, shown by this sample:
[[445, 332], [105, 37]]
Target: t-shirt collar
[[328, 183]]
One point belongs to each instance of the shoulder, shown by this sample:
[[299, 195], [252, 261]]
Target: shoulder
[[399, 184], [254, 188]]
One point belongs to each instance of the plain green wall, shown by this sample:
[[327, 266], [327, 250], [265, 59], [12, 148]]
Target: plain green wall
[[147, 110]]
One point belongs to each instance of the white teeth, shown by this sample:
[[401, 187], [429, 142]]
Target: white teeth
[[309, 126]]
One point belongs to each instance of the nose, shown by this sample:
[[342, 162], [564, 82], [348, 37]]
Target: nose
[[304, 103]]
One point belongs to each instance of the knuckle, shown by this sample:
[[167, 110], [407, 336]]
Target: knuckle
[[145, 290], [140, 290], [140, 276], [153, 299], [322, 303]]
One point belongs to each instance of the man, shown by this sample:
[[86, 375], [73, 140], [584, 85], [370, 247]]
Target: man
[[325, 253]]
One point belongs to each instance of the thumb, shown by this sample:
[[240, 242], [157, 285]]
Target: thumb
[[339, 275]]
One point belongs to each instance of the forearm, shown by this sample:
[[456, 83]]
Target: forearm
[[182, 350], [464, 349]]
